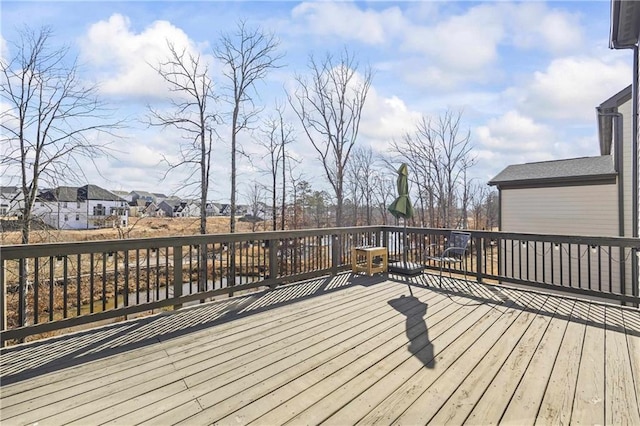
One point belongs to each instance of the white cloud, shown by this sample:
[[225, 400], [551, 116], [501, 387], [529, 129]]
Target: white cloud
[[534, 26], [4, 49], [514, 138], [385, 119], [124, 59], [348, 21], [571, 87]]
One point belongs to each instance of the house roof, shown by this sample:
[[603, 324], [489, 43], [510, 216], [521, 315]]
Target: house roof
[[83, 193], [10, 190], [145, 194], [557, 172]]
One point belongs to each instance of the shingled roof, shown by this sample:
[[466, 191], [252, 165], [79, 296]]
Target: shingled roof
[[570, 171], [73, 194]]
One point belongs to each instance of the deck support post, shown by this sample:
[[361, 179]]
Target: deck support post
[[335, 254], [3, 300], [177, 275], [480, 241], [273, 261]]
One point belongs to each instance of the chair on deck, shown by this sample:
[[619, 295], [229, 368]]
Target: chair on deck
[[454, 252]]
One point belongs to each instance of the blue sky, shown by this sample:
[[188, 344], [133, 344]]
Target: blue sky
[[527, 75]]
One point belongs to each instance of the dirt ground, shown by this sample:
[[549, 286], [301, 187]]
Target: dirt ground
[[147, 227]]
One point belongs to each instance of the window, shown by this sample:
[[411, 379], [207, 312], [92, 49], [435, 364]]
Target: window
[[99, 210], [66, 217], [64, 204], [78, 204], [77, 216]]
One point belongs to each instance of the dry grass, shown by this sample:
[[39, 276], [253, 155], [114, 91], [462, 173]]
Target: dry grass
[[147, 227]]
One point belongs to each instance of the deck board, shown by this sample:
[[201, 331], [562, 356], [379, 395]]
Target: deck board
[[341, 350], [588, 404]]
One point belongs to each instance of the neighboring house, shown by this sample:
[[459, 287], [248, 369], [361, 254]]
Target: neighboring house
[[137, 208], [10, 201], [175, 207], [86, 207], [213, 209], [142, 195], [589, 196], [151, 210], [169, 206], [159, 197], [241, 209]]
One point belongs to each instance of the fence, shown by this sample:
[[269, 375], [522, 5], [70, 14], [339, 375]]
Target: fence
[[54, 286]]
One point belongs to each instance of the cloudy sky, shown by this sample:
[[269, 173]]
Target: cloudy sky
[[527, 75]]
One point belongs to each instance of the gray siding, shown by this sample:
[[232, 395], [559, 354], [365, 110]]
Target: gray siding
[[568, 210]]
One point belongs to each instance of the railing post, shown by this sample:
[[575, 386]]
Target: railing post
[[177, 274], [479, 265], [335, 254], [273, 260], [3, 298]]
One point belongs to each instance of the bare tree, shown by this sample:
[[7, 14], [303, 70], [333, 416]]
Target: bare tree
[[363, 170], [276, 135], [255, 196], [329, 105], [440, 156], [191, 111], [247, 56], [52, 121]]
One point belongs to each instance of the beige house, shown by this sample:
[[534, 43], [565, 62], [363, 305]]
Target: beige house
[[589, 196]]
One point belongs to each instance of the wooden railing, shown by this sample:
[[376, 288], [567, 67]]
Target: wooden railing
[[55, 286]]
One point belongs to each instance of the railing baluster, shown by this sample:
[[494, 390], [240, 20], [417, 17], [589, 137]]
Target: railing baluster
[[78, 286], [36, 287]]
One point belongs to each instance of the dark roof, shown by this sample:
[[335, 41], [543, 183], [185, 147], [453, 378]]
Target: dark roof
[[94, 192], [8, 189], [573, 170], [72, 193]]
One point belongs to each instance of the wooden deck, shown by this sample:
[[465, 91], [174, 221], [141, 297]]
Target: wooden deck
[[342, 350]]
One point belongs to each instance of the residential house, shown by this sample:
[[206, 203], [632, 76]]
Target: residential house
[[142, 195], [151, 210], [175, 207], [85, 207], [159, 197], [11, 204], [589, 196], [213, 209], [137, 208]]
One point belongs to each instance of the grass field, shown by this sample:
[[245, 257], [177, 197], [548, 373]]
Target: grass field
[[147, 227]]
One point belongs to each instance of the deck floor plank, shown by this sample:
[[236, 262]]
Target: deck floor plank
[[557, 401], [588, 405], [632, 330], [341, 350], [294, 373], [525, 402], [621, 402], [226, 375], [426, 392], [497, 397], [466, 396], [343, 385]]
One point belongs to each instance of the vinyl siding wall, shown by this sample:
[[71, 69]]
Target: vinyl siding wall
[[588, 210]]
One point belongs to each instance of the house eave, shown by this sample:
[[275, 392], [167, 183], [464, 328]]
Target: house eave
[[625, 24], [604, 179]]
